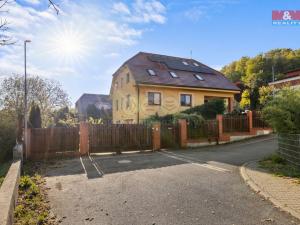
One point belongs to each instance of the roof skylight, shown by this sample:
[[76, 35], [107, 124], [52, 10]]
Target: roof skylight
[[173, 74], [185, 63], [151, 72], [196, 64], [198, 77]]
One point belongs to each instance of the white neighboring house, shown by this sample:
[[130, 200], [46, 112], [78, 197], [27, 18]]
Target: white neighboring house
[[291, 78]]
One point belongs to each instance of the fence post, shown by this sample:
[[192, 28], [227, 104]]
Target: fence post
[[182, 132], [84, 147], [28, 147], [222, 136], [250, 121], [156, 136]]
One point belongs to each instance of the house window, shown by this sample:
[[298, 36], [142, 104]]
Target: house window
[[116, 85], [117, 105], [127, 78], [154, 98], [122, 82], [128, 102], [151, 72], [185, 63], [173, 74], [121, 103], [185, 100], [196, 64], [198, 77]]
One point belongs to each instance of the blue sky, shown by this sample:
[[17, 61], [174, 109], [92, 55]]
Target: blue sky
[[83, 45]]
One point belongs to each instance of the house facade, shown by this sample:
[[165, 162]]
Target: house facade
[[101, 102], [291, 78], [149, 84]]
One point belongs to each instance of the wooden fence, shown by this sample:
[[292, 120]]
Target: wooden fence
[[122, 137], [289, 148], [258, 121], [169, 135], [236, 123], [208, 130], [48, 142]]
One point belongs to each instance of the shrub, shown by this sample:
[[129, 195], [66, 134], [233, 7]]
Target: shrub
[[208, 110], [193, 118], [7, 135], [283, 111], [35, 119]]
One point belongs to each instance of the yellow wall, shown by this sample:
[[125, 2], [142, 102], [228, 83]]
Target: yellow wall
[[170, 99], [123, 113]]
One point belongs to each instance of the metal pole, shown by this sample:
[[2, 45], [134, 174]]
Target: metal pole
[[273, 77], [25, 98]]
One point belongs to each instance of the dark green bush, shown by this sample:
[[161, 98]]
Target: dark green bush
[[209, 110], [7, 135], [195, 114], [283, 111]]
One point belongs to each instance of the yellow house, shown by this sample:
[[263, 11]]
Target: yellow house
[[147, 84]]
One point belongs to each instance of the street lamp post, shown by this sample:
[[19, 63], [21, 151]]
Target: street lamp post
[[25, 97]]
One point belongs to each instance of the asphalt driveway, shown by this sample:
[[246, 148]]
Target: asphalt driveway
[[199, 186]]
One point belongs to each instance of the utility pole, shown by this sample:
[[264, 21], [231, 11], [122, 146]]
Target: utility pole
[[273, 78], [25, 97]]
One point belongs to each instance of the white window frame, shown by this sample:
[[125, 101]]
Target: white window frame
[[151, 72], [199, 77], [173, 74], [154, 92]]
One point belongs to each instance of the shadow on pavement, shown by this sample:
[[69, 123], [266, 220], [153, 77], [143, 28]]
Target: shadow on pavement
[[234, 154]]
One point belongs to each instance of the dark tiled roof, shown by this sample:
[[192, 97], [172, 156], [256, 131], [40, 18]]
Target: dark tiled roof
[[162, 65]]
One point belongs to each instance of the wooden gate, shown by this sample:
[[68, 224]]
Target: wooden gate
[[169, 135], [49, 142], [208, 130], [235, 123], [119, 137]]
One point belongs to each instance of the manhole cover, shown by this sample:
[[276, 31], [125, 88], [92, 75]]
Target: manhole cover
[[124, 161]]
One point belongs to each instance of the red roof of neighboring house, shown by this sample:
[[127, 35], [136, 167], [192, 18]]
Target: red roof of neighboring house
[[186, 69], [292, 73]]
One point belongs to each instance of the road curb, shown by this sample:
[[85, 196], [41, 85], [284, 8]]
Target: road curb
[[250, 182]]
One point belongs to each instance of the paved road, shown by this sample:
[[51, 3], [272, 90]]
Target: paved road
[[199, 186]]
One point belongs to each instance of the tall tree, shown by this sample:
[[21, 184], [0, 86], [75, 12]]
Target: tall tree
[[93, 111], [35, 119], [256, 72], [48, 94]]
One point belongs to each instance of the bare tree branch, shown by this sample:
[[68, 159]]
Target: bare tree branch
[[6, 39], [54, 5]]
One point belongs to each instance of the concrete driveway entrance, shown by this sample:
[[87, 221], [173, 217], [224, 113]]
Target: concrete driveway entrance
[[199, 186]]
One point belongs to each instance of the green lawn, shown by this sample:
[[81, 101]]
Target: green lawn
[[280, 167], [3, 170]]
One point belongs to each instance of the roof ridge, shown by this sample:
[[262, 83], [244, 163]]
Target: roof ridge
[[170, 56]]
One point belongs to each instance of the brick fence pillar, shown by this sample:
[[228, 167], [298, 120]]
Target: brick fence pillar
[[84, 147], [250, 121], [222, 136], [182, 132], [156, 136]]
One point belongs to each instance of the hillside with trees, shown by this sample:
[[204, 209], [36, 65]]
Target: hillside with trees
[[252, 73]]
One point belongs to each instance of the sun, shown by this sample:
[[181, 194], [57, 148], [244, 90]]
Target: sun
[[68, 44]]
